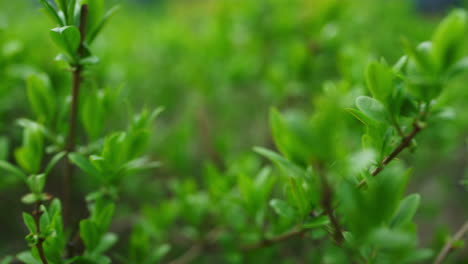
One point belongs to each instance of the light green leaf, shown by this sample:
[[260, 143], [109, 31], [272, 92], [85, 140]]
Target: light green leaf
[[30, 223], [27, 258], [41, 97], [282, 208], [317, 222], [67, 38], [36, 182], [448, 38], [406, 210], [372, 108], [289, 168], [84, 164], [92, 36], [52, 12], [379, 78], [89, 234], [9, 168]]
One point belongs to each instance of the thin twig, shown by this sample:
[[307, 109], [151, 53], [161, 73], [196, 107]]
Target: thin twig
[[405, 142], [327, 205], [449, 247], [37, 219], [72, 123], [274, 240], [197, 249]]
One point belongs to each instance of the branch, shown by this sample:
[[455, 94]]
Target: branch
[[448, 247], [405, 142], [37, 219], [70, 143], [277, 239], [327, 205]]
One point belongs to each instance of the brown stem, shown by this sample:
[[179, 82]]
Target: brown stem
[[72, 122], [37, 217], [405, 142], [448, 247], [327, 205], [277, 239]]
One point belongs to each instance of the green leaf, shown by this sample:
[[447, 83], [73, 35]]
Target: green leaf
[[379, 78], [71, 12], [458, 68], [391, 239], [44, 221], [7, 167], [67, 38], [52, 12], [36, 182], [29, 155], [406, 210], [102, 215], [27, 258], [372, 108], [62, 4], [56, 158], [92, 36], [6, 260], [83, 164], [317, 222], [282, 208], [30, 223], [421, 58], [107, 241], [32, 198], [448, 38], [90, 234], [4, 146], [159, 253], [287, 166], [41, 97]]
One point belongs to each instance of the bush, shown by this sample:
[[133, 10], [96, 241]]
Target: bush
[[332, 182]]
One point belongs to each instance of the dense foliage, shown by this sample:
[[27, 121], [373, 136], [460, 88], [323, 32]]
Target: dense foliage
[[275, 131]]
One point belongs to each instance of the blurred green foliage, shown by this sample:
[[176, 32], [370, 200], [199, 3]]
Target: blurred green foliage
[[232, 75]]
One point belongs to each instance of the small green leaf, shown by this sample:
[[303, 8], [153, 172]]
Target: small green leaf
[[41, 97], [67, 38], [406, 210], [83, 164], [282, 208], [4, 146], [29, 155], [56, 158], [52, 12], [107, 241], [448, 38], [7, 167], [62, 4], [372, 108], [27, 258], [458, 68], [287, 166], [379, 78], [391, 239], [92, 36], [6, 260], [30, 223], [44, 221], [317, 222], [36, 182], [90, 234]]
